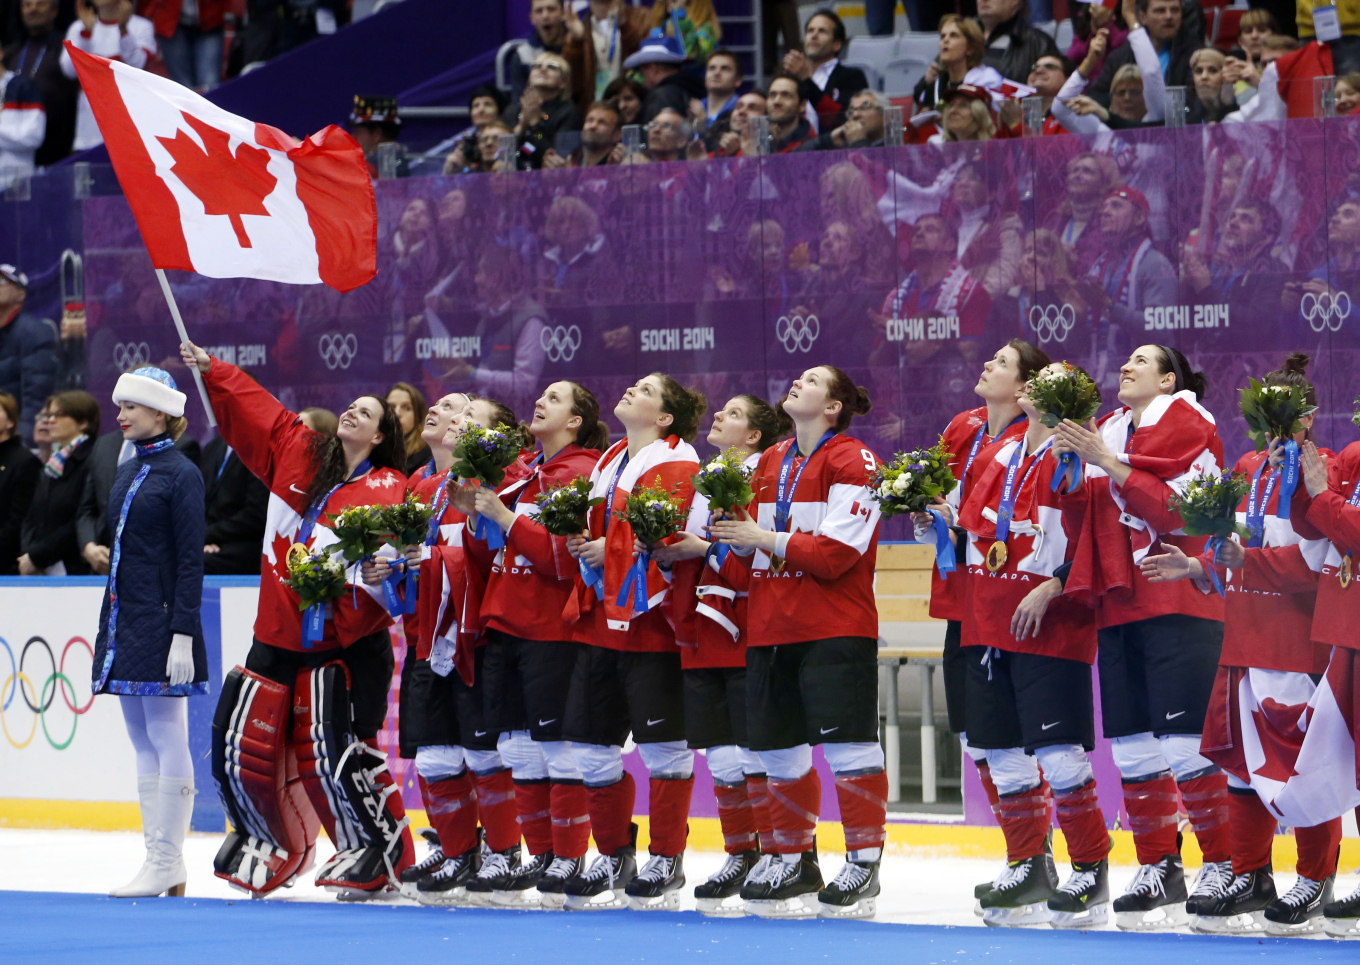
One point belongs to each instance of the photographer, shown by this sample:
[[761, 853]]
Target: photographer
[[484, 109]]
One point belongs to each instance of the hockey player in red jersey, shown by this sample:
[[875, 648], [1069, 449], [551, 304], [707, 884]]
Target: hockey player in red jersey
[[628, 676], [811, 537], [529, 656], [295, 734], [712, 634], [1158, 642], [1028, 687], [1268, 655]]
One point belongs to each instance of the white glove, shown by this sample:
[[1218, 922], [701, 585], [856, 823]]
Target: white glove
[[441, 656], [925, 531], [180, 667]]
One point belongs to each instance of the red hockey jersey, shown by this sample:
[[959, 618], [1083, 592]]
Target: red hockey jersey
[[1269, 608], [529, 581], [946, 595], [1175, 441], [273, 444], [1336, 619], [466, 580], [1040, 541], [820, 582], [669, 464]]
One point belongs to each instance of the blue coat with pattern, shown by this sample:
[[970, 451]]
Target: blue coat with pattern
[[159, 578]]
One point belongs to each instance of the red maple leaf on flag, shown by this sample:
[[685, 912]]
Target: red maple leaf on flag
[[1277, 728], [233, 185]]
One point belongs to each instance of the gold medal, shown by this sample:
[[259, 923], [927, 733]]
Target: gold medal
[[777, 564], [297, 554], [996, 556], [1345, 573]]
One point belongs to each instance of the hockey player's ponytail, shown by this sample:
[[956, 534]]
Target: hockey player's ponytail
[[772, 423], [593, 433]]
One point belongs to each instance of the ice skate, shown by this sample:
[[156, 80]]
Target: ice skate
[[1020, 896], [448, 885], [1156, 897], [1299, 910], [720, 895], [359, 874], [551, 887], [1083, 900], [1213, 881], [517, 890], [657, 886], [498, 870], [1341, 919], [979, 890], [783, 889], [1239, 910], [853, 893], [602, 885], [434, 860]]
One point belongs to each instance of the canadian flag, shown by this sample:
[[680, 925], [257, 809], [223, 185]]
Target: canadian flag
[[226, 197]]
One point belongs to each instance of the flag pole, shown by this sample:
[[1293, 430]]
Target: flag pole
[[184, 339]]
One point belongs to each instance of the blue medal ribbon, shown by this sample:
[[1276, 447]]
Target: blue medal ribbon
[[1010, 491], [1069, 468], [1289, 479], [1256, 511], [978, 439], [491, 532], [636, 584], [594, 578], [395, 605], [314, 617], [783, 501]]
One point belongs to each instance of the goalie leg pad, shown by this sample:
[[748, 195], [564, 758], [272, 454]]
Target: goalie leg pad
[[274, 826], [349, 786]]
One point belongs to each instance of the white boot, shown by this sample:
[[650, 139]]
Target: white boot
[[175, 805], [148, 795]]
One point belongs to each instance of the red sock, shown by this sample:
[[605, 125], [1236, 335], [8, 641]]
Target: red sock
[[1251, 831], [1024, 821], [794, 806], [496, 808], [669, 814], [735, 817], [570, 819], [1151, 807], [1319, 848], [864, 808], [1083, 824], [985, 774], [1206, 802], [533, 803], [397, 812], [611, 813], [451, 806], [758, 792]]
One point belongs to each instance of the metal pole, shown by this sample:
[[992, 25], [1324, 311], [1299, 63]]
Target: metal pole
[[892, 735], [184, 340], [928, 792]]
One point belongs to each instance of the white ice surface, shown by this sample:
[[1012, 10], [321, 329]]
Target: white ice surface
[[916, 890]]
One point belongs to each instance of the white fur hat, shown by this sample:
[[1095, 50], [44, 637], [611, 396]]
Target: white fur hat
[[151, 387]]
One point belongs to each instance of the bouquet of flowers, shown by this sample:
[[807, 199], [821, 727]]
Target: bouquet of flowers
[[484, 455], [359, 531], [1208, 507], [565, 511], [1069, 394], [909, 484], [406, 523], [726, 481], [317, 579], [1272, 411], [654, 514]]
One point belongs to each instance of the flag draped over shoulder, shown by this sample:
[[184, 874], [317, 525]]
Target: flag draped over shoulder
[[226, 197]]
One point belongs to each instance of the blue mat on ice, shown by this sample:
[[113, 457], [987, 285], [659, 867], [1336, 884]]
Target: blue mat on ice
[[59, 928]]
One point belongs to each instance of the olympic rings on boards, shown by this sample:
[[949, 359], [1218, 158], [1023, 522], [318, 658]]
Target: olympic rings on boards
[[39, 699]]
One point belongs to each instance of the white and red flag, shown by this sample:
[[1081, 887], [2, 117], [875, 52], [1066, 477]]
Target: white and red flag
[[226, 197]]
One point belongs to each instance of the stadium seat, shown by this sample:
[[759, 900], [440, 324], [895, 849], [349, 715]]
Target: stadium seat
[[900, 76], [872, 55], [1065, 36]]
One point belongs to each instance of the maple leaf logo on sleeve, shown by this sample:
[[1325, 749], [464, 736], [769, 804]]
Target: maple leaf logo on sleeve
[[227, 184]]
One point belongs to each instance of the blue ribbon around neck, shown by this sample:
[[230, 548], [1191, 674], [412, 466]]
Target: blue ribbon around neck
[[944, 547], [636, 584], [1289, 479]]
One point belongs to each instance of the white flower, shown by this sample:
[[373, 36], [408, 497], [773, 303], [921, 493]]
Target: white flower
[[715, 466], [902, 483]]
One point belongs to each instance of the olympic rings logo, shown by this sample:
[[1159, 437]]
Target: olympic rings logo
[[797, 334], [337, 351], [561, 342], [129, 355], [39, 699], [1052, 322], [1326, 311]]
